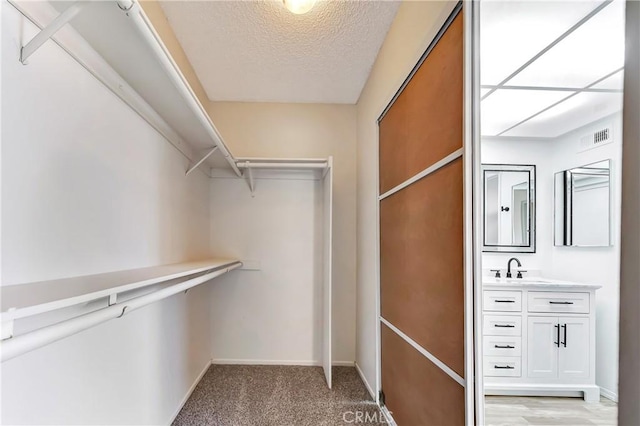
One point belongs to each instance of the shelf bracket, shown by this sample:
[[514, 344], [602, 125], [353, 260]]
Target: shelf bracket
[[250, 176], [7, 326], [207, 155], [113, 299], [47, 32]]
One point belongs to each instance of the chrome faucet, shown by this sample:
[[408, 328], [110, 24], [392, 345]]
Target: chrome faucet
[[509, 267]]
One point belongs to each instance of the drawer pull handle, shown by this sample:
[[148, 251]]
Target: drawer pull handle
[[504, 347], [505, 301], [504, 367], [560, 303], [504, 325]]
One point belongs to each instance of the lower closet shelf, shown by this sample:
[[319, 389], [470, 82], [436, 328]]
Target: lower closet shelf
[[20, 301]]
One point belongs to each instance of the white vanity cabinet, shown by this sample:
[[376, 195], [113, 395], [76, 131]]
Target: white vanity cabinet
[[539, 338]]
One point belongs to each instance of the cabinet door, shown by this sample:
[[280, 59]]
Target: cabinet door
[[542, 348], [573, 357]]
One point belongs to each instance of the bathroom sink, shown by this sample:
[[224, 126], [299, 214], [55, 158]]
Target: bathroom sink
[[532, 281], [512, 281]]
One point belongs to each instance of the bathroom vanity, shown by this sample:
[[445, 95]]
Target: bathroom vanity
[[539, 338]]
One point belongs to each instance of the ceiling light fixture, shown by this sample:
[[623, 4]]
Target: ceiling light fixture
[[299, 7]]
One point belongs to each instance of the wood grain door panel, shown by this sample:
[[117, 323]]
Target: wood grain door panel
[[425, 123], [422, 263], [422, 240], [417, 392]]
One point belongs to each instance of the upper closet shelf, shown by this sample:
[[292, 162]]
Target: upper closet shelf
[[255, 168], [23, 300], [248, 163], [116, 42]]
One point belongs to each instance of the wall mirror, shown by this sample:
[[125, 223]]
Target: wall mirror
[[509, 208], [582, 212]]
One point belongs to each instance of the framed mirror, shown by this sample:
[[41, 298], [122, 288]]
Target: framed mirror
[[582, 207], [509, 208]]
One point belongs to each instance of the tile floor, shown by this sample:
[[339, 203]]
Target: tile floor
[[516, 410]]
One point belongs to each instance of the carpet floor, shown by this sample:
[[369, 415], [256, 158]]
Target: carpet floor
[[239, 395]]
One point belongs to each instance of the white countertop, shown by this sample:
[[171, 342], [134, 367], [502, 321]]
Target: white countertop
[[537, 282]]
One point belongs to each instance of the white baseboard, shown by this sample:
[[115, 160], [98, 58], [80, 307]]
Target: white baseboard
[[189, 392], [366, 383], [609, 394], [308, 363]]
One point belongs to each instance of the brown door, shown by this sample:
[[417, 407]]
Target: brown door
[[422, 239]]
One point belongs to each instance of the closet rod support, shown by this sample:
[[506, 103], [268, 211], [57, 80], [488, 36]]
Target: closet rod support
[[251, 183], [47, 32], [113, 299], [195, 166], [125, 5], [7, 327]]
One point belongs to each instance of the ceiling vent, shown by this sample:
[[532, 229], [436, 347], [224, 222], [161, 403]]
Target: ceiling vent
[[596, 139]]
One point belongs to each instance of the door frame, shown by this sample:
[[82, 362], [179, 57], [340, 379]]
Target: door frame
[[474, 225], [474, 385]]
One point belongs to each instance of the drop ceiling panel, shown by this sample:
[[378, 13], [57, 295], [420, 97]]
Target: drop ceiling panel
[[586, 55], [514, 31], [505, 108], [579, 110], [615, 82], [259, 51]]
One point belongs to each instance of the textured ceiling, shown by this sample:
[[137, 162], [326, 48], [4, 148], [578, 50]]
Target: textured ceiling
[[259, 51]]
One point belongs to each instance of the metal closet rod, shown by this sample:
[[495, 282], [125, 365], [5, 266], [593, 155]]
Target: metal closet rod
[[27, 342], [301, 165], [281, 160]]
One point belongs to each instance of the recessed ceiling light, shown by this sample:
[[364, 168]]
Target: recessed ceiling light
[[299, 7]]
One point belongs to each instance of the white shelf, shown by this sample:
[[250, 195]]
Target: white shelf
[[123, 51], [43, 296]]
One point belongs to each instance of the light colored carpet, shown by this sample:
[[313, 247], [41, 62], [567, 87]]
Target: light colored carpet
[[239, 395]]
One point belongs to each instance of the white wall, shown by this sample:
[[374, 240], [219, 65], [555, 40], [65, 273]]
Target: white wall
[[413, 29], [274, 314], [89, 187], [286, 130], [598, 265]]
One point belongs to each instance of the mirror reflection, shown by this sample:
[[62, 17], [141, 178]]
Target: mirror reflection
[[582, 206], [508, 208]]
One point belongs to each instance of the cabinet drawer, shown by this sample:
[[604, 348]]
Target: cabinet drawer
[[508, 301], [502, 345], [502, 366], [502, 325], [551, 301]]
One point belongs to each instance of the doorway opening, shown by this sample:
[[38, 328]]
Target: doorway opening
[[551, 146]]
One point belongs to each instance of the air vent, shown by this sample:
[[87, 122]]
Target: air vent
[[596, 139]]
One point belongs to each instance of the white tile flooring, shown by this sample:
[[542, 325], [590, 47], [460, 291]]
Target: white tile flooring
[[516, 410]]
